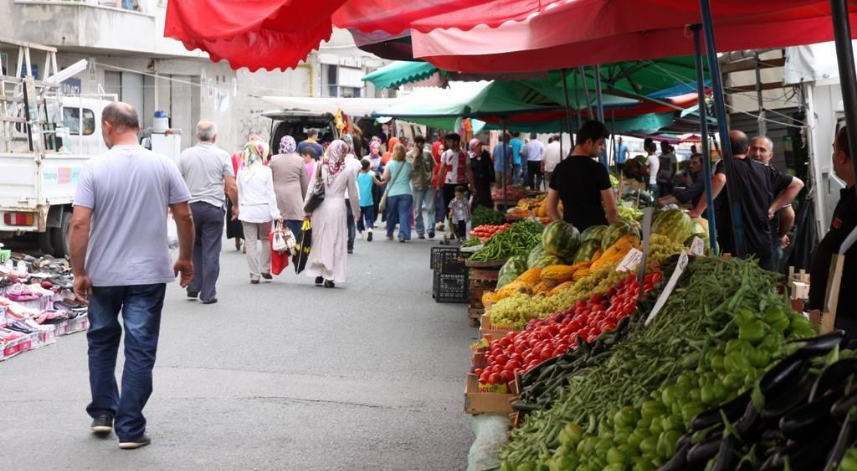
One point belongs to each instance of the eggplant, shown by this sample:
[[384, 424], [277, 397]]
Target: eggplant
[[845, 440], [679, 460], [704, 450], [775, 462], [832, 376], [750, 424], [782, 376], [812, 455], [732, 409], [840, 409], [821, 345], [728, 456], [779, 406], [806, 421]]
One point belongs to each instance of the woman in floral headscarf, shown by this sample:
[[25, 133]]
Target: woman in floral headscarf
[[290, 183], [377, 168], [257, 208], [483, 173], [327, 260]]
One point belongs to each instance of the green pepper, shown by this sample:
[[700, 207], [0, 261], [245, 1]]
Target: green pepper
[[644, 465], [652, 409], [753, 331], [586, 446], [568, 463], [777, 318], [668, 396], [603, 445], [616, 456], [801, 332], [799, 320], [759, 357], [614, 467], [672, 422], [529, 466], [849, 461], [542, 467], [571, 433], [707, 395], [649, 446], [657, 426], [625, 418], [744, 316], [621, 436], [667, 442], [733, 381], [737, 362], [737, 344], [691, 410], [716, 361], [636, 437]]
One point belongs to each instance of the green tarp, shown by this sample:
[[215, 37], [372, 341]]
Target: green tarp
[[400, 72]]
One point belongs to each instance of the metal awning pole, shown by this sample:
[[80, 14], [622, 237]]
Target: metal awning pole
[[706, 151], [586, 93], [722, 126], [847, 78], [763, 128], [567, 103], [506, 164], [599, 108]]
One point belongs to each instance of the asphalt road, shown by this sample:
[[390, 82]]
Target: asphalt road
[[281, 375]]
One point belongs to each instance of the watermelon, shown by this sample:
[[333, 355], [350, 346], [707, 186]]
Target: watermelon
[[674, 224], [535, 254], [616, 231], [593, 233], [511, 270], [547, 260], [700, 229], [561, 239], [587, 250]]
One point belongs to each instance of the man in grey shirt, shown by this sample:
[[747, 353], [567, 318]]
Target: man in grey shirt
[[121, 261], [207, 170]]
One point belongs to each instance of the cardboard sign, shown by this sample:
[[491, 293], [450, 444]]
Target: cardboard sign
[[697, 246], [631, 261], [668, 289]]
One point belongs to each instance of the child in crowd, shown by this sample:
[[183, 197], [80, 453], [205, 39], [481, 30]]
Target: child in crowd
[[366, 179], [459, 213]]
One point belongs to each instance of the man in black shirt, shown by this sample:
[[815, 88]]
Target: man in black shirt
[[762, 150], [761, 192], [843, 222], [583, 184], [693, 192]]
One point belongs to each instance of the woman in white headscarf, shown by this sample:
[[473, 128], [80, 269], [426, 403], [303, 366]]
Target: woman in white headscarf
[[328, 257], [257, 208]]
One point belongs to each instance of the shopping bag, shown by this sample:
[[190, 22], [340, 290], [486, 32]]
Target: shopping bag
[[278, 242], [302, 247], [279, 259]]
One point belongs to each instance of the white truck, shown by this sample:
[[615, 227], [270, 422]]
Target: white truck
[[45, 139]]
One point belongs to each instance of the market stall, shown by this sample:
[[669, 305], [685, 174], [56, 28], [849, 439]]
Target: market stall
[[37, 304]]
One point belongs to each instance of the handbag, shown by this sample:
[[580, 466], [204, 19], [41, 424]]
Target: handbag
[[278, 240], [382, 206], [279, 259], [317, 195]]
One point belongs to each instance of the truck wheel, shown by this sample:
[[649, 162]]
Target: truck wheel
[[45, 244], [59, 236]]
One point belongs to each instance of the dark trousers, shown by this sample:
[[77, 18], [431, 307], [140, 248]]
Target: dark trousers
[[208, 222], [141, 314], [534, 174], [461, 230], [367, 218], [665, 189], [352, 228]]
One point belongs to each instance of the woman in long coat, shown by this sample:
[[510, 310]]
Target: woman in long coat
[[328, 257]]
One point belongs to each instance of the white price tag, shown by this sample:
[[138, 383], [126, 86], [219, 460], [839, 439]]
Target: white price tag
[[631, 261], [697, 246], [668, 289]]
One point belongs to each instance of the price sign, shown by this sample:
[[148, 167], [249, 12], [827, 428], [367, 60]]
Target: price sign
[[631, 261], [697, 247], [668, 289]]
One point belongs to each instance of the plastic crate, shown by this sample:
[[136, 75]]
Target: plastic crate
[[436, 253], [450, 261], [451, 288]]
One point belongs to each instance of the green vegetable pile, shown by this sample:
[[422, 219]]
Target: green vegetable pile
[[516, 240], [719, 330], [471, 242], [483, 215]]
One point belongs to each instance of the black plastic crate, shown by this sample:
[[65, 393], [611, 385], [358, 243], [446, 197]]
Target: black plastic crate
[[449, 261], [451, 288], [436, 253]]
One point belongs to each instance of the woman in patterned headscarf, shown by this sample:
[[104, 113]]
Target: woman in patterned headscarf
[[257, 208], [327, 260], [290, 183], [483, 173]]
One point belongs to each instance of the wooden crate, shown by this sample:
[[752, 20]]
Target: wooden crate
[[476, 402], [482, 277], [490, 331]]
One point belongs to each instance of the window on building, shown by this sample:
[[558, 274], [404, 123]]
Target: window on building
[[72, 121], [332, 80], [350, 92]]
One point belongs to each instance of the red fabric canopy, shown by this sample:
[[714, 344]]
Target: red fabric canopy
[[585, 32], [395, 16], [252, 33]]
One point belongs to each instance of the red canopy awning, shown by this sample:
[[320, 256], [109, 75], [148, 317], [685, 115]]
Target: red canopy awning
[[252, 33], [585, 32]]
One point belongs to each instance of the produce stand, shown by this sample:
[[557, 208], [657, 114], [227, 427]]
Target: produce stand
[[482, 277], [479, 401], [501, 205], [487, 330]]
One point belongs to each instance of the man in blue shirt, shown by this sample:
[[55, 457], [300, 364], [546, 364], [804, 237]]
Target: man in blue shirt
[[502, 156], [517, 144], [622, 154]]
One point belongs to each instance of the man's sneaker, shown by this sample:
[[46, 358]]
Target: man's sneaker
[[210, 301], [421, 236], [431, 234], [139, 442], [369, 237], [193, 294], [102, 425]]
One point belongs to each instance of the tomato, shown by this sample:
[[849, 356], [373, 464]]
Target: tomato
[[656, 277], [580, 303], [513, 365], [597, 298], [478, 371], [484, 377], [494, 378], [502, 359]]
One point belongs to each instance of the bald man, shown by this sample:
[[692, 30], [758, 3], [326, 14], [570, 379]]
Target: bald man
[[208, 172], [762, 150], [121, 262], [761, 192]]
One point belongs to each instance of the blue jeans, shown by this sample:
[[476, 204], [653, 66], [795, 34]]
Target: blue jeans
[[141, 314], [367, 218], [424, 197], [399, 209], [516, 174]]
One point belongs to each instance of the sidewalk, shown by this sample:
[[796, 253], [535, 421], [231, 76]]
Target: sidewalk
[[282, 375]]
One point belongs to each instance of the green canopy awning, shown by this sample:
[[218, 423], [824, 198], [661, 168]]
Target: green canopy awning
[[400, 72]]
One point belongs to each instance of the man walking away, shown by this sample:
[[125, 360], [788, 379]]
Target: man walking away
[[535, 151], [666, 170], [207, 171], [553, 156], [121, 262], [311, 141], [583, 184], [517, 170], [421, 184]]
